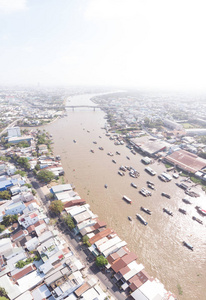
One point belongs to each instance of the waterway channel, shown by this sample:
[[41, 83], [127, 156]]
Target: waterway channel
[[159, 244]]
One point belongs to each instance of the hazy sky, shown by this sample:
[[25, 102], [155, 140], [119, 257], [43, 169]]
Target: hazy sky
[[137, 43]]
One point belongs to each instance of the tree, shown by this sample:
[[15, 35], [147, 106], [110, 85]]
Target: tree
[[5, 195], [9, 219], [22, 173], [20, 264], [85, 240], [56, 207], [24, 162], [69, 222], [2, 228], [3, 294], [45, 175], [101, 261]]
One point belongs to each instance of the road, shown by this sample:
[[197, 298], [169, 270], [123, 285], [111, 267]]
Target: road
[[80, 250]]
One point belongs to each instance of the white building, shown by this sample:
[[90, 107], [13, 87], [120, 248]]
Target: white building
[[14, 132]]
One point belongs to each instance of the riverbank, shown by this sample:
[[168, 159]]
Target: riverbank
[[159, 244]]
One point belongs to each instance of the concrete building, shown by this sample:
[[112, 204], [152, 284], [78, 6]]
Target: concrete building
[[14, 132]]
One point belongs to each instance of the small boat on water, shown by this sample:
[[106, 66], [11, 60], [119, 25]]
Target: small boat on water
[[168, 211], [110, 154], [118, 153], [101, 148], [94, 142], [166, 195], [92, 150], [88, 131], [74, 141], [150, 182], [146, 210], [129, 218], [114, 161], [188, 245], [127, 199], [134, 185], [198, 220], [122, 168], [183, 211], [100, 137], [185, 200], [142, 220], [105, 186], [121, 173], [133, 152], [151, 186], [127, 157]]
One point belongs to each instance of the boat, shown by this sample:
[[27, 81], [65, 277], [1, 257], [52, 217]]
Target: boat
[[127, 199], [200, 210], [198, 220], [133, 152], [182, 186], [142, 220], [105, 186], [145, 192], [162, 178], [150, 171], [110, 154], [166, 195], [167, 211], [74, 141], [88, 131], [129, 218], [118, 153], [100, 137], [94, 142], [127, 157], [185, 200], [151, 186], [121, 173], [188, 245], [150, 182], [101, 148], [183, 211], [122, 168], [114, 161], [134, 185], [146, 210], [92, 150]]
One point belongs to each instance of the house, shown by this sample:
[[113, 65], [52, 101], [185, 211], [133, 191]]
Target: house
[[15, 208], [29, 219], [32, 243], [19, 273], [61, 188], [19, 234]]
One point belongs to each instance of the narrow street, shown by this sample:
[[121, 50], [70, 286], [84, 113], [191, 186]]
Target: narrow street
[[80, 251]]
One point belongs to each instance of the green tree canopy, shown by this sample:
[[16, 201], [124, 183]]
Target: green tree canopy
[[69, 222], [5, 195], [9, 219], [45, 175], [2, 228], [56, 207], [24, 162], [22, 173], [101, 261]]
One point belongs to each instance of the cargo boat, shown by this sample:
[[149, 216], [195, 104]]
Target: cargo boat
[[166, 195], [142, 220], [198, 220]]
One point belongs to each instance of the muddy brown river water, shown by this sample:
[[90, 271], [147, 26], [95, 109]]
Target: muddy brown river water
[[159, 244]]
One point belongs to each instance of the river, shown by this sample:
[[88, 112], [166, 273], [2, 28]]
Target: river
[[159, 244]]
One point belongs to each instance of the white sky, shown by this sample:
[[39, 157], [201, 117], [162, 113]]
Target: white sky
[[136, 43]]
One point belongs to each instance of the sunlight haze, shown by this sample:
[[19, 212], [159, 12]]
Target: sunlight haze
[[127, 43]]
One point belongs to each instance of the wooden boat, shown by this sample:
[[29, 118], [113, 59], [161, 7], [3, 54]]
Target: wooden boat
[[105, 186], [129, 218], [146, 210], [188, 245], [183, 211], [167, 211], [185, 200], [198, 220], [134, 185], [166, 195], [92, 150], [114, 161]]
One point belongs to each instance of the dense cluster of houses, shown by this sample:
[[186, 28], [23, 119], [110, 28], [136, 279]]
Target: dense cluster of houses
[[125, 270], [35, 261]]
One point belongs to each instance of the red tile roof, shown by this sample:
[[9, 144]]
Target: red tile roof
[[100, 235], [24, 272], [123, 262]]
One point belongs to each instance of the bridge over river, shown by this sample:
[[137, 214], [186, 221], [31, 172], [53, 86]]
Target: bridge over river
[[83, 106]]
